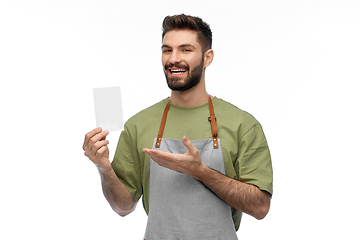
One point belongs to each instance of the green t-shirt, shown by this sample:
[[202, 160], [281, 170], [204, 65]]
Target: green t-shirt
[[243, 143]]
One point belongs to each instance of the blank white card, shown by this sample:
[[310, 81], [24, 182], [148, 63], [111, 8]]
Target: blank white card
[[108, 108]]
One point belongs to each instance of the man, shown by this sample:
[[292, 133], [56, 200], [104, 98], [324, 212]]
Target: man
[[207, 162]]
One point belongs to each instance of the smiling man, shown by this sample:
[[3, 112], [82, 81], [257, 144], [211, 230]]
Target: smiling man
[[197, 161], [177, 72]]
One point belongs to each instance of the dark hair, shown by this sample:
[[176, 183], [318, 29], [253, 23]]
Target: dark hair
[[189, 23]]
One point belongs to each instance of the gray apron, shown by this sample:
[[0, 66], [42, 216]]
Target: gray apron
[[181, 207]]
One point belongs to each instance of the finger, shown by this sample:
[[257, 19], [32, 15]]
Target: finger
[[97, 146], [102, 150], [98, 137], [164, 162], [153, 153], [89, 135], [92, 147], [192, 150], [101, 143], [150, 152]]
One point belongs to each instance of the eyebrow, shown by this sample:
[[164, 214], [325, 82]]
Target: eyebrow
[[181, 46]]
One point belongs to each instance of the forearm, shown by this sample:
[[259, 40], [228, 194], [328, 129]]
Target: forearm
[[244, 197], [116, 193]]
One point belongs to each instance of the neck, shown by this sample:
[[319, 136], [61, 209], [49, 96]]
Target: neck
[[190, 98]]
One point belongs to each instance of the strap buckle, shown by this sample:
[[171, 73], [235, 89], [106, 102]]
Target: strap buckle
[[211, 118]]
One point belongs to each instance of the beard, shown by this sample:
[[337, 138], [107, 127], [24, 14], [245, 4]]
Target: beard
[[193, 78]]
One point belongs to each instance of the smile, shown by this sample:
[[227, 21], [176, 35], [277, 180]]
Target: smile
[[177, 71]]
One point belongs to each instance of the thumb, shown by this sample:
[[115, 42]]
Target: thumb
[[187, 143]]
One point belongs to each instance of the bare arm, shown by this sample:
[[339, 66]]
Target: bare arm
[[244, 197], [119, 198], [117, 194]]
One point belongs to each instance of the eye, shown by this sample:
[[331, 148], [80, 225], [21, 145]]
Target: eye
[[166, 50]]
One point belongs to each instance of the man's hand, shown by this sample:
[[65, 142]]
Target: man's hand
[[242, 196], [95, 147], [188, 163]]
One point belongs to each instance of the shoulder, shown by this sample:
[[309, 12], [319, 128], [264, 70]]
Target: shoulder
[[152, 113], [226, 110]]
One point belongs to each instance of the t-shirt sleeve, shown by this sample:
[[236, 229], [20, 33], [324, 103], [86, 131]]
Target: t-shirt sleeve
[[255, 165], [126, 164]]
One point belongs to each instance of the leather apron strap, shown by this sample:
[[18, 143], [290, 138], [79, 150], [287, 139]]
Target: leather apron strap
[[212, 120], [162, 124]]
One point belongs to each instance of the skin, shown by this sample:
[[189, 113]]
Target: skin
[[96, 149], [182, 48]]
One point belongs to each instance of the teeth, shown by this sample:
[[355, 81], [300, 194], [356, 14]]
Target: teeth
[[177, 70]]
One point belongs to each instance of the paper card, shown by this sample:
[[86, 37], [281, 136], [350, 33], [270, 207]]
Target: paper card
[[108, 108]]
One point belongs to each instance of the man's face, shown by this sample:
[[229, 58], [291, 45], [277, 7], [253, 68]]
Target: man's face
[[182, 49]]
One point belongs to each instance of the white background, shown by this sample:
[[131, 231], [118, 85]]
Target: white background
[[294, 65]]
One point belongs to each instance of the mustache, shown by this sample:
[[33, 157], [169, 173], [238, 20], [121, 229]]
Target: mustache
[[177, 65]]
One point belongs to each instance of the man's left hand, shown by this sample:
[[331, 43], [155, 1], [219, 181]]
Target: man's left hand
[[189, 163]]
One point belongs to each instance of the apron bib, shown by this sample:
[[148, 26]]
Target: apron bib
[[181, 207]]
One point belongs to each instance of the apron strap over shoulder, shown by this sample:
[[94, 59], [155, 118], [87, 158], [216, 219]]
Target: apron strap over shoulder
[[162, 125], [212, 120]]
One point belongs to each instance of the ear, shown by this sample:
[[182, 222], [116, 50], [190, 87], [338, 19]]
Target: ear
[[208, 57]]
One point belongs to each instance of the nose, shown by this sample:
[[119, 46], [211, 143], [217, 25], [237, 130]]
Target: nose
[[174, 57]]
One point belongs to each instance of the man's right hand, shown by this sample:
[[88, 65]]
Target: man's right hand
[[95, 147]]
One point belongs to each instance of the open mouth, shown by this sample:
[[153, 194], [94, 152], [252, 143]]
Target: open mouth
[[177, 71]]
